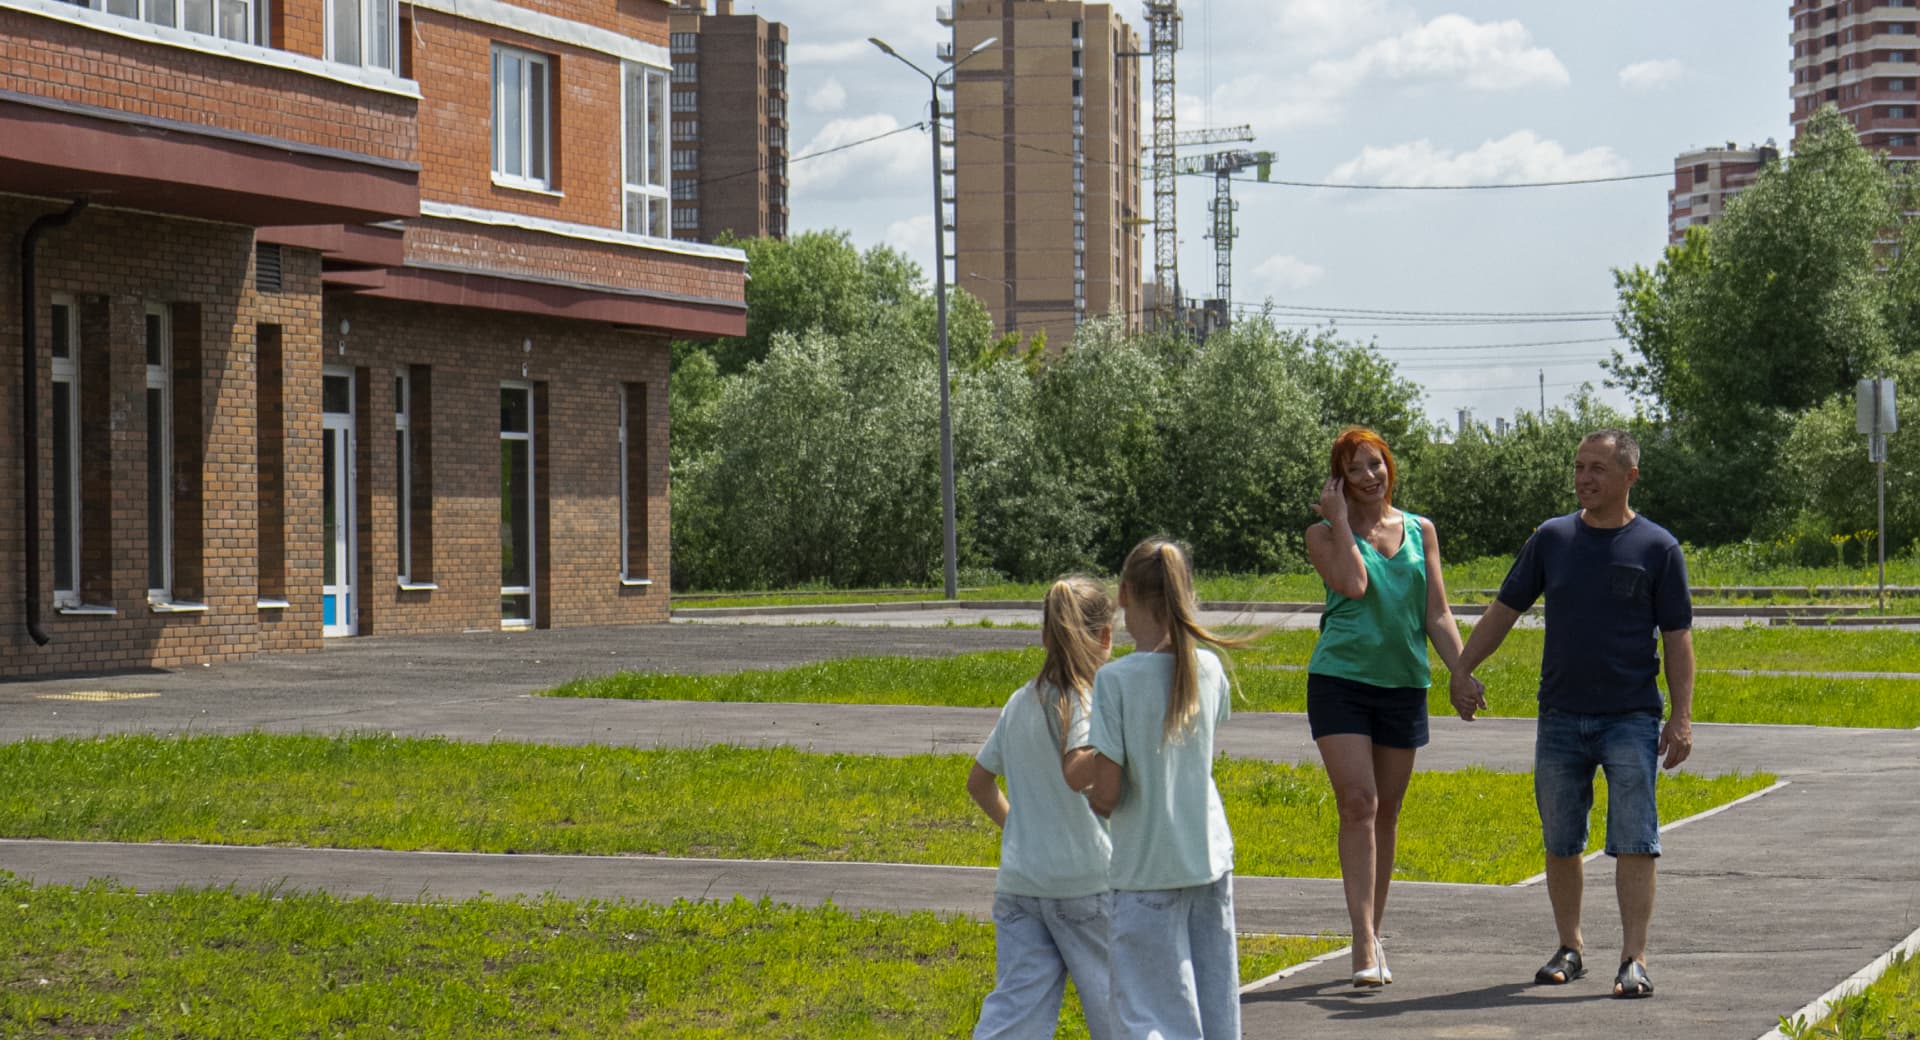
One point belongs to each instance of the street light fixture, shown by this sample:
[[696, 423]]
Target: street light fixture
[[940, 300]]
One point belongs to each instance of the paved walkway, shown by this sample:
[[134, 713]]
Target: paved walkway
[[1763, 907]]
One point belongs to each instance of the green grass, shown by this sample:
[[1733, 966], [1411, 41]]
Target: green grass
[[212, 964], [1468, 581], [1475, 826], [1887, 1010], [1271, 678]]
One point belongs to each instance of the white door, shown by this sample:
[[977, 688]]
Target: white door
[[338, 595]]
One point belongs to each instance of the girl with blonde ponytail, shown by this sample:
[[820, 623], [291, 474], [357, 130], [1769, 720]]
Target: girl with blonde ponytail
[[1050, 896], [1148, 761]]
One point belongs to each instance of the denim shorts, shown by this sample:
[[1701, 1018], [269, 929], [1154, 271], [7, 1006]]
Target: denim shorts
[[1393, 717], [1567, 749]]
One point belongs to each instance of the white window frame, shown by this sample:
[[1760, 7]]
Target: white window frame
[[650, 185], [371, 53], [403, 471], [160, 377], [176, 13], [533, 148], [530, 590], [66, 371]]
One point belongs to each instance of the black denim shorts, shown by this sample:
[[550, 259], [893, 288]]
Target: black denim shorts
[[1392, 716]]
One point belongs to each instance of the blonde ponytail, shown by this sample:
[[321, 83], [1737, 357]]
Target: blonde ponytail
[[1158, 577], [1074, 622]]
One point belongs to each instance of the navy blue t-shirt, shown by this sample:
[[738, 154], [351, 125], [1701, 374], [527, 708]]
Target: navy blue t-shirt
[[1609, 591]]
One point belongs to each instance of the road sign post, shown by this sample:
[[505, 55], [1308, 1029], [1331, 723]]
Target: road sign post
[[1875, 416]]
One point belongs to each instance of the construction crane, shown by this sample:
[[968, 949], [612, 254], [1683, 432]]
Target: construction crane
[[1163, 39], [1215, 313]]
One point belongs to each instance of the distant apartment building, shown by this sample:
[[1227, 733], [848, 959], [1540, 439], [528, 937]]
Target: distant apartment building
[[729, 123], [1705, 178], [332, 318], [1862, 56], [1046, 162]]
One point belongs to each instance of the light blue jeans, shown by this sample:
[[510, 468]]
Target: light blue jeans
[[1037, 943], [1176, 963]]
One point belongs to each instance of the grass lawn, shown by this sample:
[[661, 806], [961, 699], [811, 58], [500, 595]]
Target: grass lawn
[[99, 961], [1887, 1010], [1270, 677], [1468, 581], [1474, 826]]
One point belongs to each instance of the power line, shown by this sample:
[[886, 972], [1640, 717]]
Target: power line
[[1316, 309], [813, 155], [1502, 346], [1668, 175]]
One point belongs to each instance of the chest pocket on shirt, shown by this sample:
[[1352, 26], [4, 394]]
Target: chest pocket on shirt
[[1629, 583]]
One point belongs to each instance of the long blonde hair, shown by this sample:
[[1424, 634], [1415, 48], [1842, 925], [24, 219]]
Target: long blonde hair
[[1074, 622], [1158, 578]]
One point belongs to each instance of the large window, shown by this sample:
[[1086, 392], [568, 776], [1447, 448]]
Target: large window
[[227, 19], [364, 32], [159, 453], [516, 506], [66, 454], [646, 155], [403, 474], [522, 118]]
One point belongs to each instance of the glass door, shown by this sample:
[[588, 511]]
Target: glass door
[[516, 506], [337, 585]]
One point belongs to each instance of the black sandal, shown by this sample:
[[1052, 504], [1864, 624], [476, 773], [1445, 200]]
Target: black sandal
[[1632, 981], [1565, 966]]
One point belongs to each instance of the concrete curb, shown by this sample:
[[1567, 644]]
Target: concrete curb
[[1820, 611]]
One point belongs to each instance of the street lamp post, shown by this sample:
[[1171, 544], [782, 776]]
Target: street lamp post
[[940, 305]]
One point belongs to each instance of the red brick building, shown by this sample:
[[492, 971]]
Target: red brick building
[[334, 317], [1862, 56], [1705, 178]]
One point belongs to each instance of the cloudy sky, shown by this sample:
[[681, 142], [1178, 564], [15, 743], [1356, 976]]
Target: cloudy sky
[[1371, 92]]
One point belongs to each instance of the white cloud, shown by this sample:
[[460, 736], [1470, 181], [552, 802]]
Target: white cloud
[[1283, 272], [914, 235], [838, 52], [1652, 75], [895, 162], [1519, 157], [1481, 55], [828, 97], [1325, 26], [1450, 49]]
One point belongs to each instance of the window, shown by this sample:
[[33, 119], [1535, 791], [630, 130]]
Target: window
[[686, 190], [686, 101], [1897, 112], [685, 72], [521, 99], [403, 476], [684, 42], [159, 453], [645, 199], [270, 449], [633, 483], [685, 159], [1896, 85], [777, 137], [686, 218], [516, 506], [227, 19], [66, 454], [362, 32], [686, 130]]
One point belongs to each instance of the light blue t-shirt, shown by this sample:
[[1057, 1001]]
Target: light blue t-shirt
[[1169, 830], [1053, 846]]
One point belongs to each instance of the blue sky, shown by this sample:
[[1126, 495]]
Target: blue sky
[[1371, 92]]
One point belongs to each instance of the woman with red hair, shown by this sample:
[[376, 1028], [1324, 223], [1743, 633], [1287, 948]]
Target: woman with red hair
[[1367, 681]]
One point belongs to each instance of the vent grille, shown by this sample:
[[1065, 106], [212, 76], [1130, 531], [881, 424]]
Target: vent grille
[[266, 267]]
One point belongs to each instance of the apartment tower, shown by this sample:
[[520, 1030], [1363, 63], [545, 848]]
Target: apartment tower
[[729, 123], [1861, 56], [1046, 176], [1705, 178]]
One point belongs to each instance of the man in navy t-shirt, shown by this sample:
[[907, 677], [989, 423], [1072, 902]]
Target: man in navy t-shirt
[[1612, 580]]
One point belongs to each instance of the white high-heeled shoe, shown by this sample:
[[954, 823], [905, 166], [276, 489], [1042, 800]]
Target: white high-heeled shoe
[[1374, 977], [1380, 960]]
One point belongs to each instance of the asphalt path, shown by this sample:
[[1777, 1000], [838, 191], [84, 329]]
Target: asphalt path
[[1763, 906]]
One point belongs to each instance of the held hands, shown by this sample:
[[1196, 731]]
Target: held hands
[[1676, 740], [1468, 694], [1333, 502]]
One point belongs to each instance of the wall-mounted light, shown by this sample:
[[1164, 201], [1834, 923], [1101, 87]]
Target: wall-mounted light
[[345, 327], [526, 347]]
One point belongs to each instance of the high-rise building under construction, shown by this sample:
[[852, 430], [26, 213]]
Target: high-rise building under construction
[[1046, 161]]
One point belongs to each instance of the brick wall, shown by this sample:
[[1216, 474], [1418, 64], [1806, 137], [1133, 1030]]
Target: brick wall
[[514, 252], [578, 370], [53, 59], [113, 263]]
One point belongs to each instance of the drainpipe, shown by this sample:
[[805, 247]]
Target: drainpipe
[[30, 409]]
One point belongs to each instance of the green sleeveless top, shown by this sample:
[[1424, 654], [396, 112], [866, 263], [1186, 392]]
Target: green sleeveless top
[[1381, 638]]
